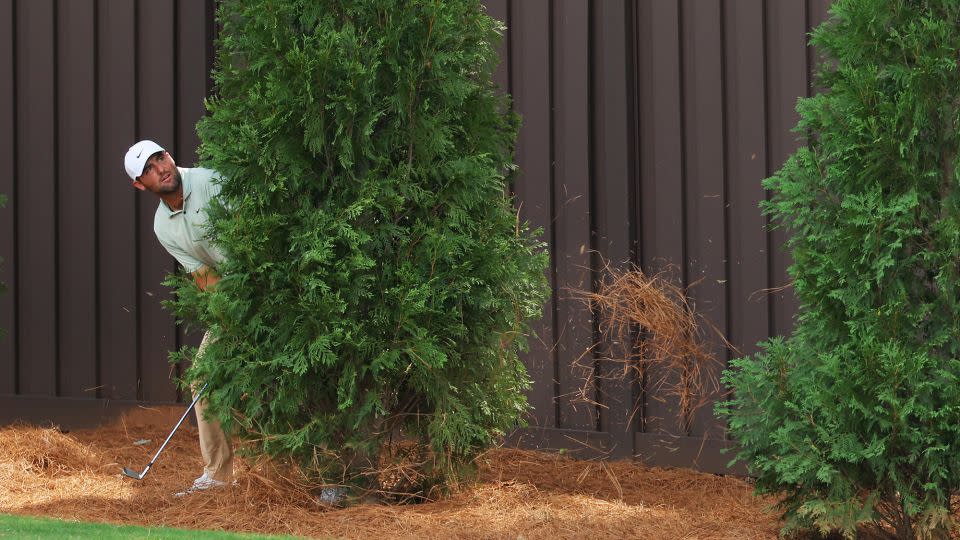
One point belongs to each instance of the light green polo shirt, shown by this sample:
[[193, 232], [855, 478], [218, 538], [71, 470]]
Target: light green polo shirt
[[184, 232]]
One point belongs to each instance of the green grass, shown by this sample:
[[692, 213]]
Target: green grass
[[33, 527]]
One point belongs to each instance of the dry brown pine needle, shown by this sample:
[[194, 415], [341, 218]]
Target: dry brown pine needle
[[656, 334], [518, 494]]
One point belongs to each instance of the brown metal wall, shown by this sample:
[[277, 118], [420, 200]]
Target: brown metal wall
[[648, 125], [80, 80]]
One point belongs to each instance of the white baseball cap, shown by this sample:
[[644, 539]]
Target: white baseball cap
[[137, 157]]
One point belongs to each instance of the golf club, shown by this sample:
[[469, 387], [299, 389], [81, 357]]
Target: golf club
[[127, 471]]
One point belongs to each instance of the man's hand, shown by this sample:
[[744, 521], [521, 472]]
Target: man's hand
[[205, 277]]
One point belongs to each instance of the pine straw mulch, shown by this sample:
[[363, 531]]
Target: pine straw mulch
[[520, 494]]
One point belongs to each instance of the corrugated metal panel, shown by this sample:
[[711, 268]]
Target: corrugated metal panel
[[683, 107], [76, 198], [36, 198], [531, 88], [571, 211], [613, 200], [661, 174], [648, 127], [79, 81], [8, 231], [156, 119], [117, 202]]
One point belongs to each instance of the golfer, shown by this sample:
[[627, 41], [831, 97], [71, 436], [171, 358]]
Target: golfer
[[180, 225]]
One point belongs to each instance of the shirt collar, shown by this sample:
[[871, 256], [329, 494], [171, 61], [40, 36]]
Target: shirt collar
[[187, 190]]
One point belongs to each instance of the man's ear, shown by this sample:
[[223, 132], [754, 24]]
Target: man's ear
[[138, 185]]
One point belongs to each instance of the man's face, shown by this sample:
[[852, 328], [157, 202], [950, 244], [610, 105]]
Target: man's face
[[160, 175]]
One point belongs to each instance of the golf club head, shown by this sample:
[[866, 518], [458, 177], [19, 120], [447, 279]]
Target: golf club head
[[127, 471]]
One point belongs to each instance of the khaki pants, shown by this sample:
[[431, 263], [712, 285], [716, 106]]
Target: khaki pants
[[214, 444]]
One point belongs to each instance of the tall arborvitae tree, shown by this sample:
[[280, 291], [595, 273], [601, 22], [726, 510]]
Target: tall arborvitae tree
[[855, 418], [378, 283]]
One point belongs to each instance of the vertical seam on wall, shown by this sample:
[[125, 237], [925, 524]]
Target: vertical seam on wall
[[598, 120], [600, 350], [137, 260], [214, 34], [809, 55], [14, 197], [685, 264], [508, 37], [725, 172], [56, 201], [593, 239], [98, 342], [178, 330], [768, 236], [684, 277], [634, 210], [551, 97], [633, 102], [176, 77], [211, 36], [636, 336]]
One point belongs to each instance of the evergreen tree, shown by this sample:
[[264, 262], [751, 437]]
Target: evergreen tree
[[855, 418], [378, 280]]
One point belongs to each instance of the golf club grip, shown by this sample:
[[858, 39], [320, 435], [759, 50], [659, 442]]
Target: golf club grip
[[176, 427]]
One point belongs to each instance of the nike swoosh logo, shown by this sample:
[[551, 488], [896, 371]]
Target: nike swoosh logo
[[138, 154]]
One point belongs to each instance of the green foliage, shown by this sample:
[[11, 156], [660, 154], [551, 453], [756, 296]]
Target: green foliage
[[378, 281], [855, 418]]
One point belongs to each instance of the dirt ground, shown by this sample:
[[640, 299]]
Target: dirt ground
[[520, 494]]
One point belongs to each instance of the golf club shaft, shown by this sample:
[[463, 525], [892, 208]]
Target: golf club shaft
[[175, 428]]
